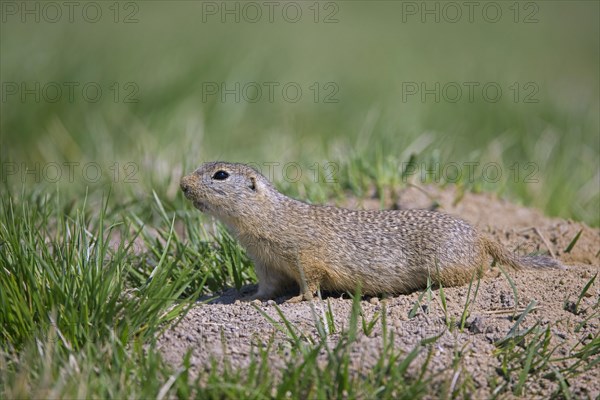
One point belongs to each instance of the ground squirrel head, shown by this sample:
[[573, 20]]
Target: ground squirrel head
[[227, 190]]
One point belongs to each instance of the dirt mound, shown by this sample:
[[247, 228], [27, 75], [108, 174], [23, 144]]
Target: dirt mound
[[228, 328]]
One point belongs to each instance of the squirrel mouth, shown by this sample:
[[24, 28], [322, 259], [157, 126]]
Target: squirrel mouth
[[199, 205]]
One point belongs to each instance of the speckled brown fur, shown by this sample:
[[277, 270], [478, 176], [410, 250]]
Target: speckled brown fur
[[293, 243]]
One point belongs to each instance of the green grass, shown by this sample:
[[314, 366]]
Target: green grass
[[81, 309], [92, 269], [547, 151]]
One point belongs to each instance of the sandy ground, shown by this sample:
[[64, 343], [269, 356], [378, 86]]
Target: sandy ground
[[228, 328]]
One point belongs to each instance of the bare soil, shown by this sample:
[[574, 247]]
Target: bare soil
[[227, 328]]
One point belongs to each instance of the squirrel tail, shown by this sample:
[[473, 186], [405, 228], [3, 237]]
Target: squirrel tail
[[503, 256]]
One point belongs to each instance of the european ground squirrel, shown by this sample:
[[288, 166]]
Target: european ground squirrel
[[298, 245]]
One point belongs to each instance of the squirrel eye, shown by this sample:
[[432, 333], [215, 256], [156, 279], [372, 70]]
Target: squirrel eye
[[220, 175]]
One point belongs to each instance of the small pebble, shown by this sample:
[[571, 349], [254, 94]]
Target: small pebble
[[477, 325], [374, 300]]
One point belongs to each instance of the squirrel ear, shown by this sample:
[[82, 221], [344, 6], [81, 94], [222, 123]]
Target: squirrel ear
[[252, 184]]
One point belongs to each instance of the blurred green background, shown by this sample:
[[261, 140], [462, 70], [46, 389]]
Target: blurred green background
[[161, 67]]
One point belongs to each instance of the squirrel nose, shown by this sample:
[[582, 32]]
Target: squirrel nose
[[185, 187]]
